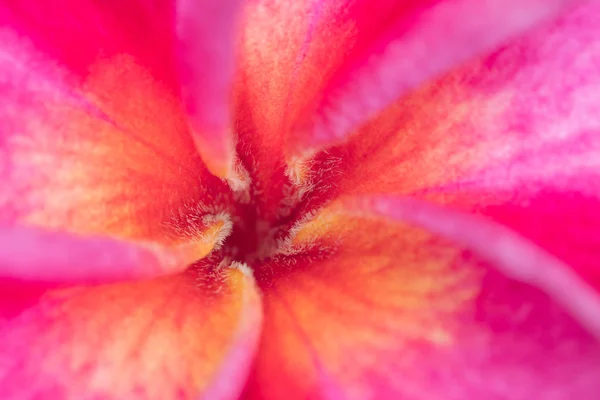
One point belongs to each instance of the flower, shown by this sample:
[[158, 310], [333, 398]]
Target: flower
[[309, 199]]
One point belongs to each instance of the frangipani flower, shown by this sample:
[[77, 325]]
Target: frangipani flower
[[300, 199]]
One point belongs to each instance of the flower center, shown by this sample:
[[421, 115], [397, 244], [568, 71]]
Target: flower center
[[252, 241], [265, 225]]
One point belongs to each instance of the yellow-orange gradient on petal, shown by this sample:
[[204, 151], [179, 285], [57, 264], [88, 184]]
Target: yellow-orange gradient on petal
[[111, 154], [358, 311], [170, 338], [504, 136], [375, 309]]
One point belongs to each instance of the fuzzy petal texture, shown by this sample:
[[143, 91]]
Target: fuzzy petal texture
[[509, 252], [288, 52], [389, 50], [172, 338], [95, 143], [206, 31], [312, 72], [379, 309], [513, 136]]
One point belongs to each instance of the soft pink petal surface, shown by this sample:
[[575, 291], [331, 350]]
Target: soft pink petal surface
[[388, 51], [76, 33], [313, 72], [373, 309], [206, 31], [32, 254], [509, 252]]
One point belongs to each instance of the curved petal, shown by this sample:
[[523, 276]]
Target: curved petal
[[531, 99], [396, 312], [288, 53], [31, 254], [107, 151], [513, 136], [508, 251], [288, 50], [311, 73], [170, 338], [206, 53], [421, 40]]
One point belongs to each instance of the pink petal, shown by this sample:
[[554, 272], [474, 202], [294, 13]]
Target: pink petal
[[102, 151], [513, 136], [515, 116], [423, 41], [288, 53], [206, 49], [512, 254], [54, 257], [379, 309], [76, 33], [177, 337]]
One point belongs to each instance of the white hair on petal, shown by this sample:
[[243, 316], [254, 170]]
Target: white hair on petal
[[243, 268], [218, 237]]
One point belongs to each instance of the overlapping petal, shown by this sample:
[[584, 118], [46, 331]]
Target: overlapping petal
[[512, 136], [169, 338], [288, 53], [397, 312], [389, 50], [33, 254], [508, 251], [206, 36], [313, 72], [92, 138]]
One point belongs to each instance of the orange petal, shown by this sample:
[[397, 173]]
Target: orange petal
[[107, 152], [397, 312], [272, 35], [171, 338], [508, 251], [513, 136]]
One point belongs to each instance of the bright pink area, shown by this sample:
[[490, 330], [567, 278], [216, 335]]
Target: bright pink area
[[31, 254], [506, 250], [513, 136], [206, 31], [420, 44], [76, 33], [333, 329], [565, 224], [527, 156]]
